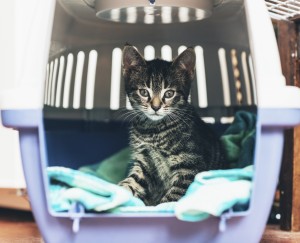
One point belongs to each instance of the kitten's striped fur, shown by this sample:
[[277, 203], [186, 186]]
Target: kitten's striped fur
[[170, 143]]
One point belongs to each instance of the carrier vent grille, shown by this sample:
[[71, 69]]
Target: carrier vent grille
[[283, 9]]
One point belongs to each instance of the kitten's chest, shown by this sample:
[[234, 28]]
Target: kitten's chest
[[154, 140], [153, 147], [156, 160], [160, 151]]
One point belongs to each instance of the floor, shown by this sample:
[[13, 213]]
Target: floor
[[19, 227], [274, 235]]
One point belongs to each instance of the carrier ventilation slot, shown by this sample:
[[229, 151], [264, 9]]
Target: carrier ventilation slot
[[201, 77], [69, 70], [60, 80], [78, 79], [91, 78], [54, 78], [72, 78], [115, 88], [149, 53], [211, 120], [166, 53]]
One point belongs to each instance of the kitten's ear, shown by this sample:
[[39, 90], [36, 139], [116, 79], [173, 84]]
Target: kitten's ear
[[132, 58], [186, 61]]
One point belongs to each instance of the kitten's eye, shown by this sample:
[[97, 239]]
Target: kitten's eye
[[144, 92], [169, 94]]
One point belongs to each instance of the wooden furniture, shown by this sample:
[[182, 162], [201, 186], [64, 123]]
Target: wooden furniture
[[288, 33]]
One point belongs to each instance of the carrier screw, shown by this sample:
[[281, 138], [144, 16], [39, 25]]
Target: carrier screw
[[152, 2]]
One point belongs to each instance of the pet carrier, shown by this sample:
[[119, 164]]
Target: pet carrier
[[66, 105]]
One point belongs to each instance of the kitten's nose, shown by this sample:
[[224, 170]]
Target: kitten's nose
[[155, 108], [155, 103]]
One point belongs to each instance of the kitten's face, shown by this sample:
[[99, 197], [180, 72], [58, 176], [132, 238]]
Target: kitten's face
[[157, 88], [156, 100]]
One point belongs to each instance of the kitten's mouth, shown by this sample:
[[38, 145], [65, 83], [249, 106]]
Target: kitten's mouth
[[155, 116]]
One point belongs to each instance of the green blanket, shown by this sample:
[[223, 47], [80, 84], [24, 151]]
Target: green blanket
[[239, 140], [113, 169]]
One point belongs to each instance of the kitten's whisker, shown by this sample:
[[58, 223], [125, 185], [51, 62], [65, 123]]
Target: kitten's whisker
[[124, 111], [128, 114]]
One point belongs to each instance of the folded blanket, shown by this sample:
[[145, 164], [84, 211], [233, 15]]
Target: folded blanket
[[239, 140], [212, 193], [68, 186]]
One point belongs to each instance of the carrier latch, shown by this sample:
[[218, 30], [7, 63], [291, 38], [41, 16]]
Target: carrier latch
[[223, 218], [76, 212]]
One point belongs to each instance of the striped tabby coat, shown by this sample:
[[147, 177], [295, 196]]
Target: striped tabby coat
[[170, 143]]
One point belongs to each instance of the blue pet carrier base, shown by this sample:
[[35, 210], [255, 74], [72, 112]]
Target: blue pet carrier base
[[248, 226]]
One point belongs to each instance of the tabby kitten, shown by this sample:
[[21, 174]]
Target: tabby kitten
[[170, 143]]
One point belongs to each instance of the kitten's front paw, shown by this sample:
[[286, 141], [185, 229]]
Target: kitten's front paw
[[173, 195], [127, 187], [170, 198]]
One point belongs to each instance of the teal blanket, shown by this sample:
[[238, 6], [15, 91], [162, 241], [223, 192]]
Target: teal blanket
[[207, 195], [68, 186]]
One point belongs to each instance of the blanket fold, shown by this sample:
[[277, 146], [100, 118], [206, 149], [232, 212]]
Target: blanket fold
[[68, 186], [214, 192]]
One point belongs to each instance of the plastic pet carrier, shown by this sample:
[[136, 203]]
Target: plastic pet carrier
[[67, 103]]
